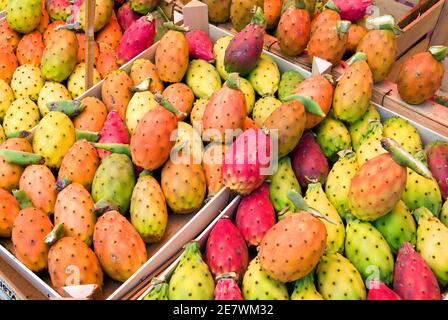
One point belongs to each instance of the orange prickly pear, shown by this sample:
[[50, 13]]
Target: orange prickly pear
[[293, 31]]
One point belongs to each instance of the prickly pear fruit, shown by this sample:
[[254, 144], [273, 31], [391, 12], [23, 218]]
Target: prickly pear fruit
[[143, 69], [370, 145], [304, 289], [226, 250], [255, 215], [58, 9], [199, 44], [70, 256], [258, 285], [25, 16], [9, 209], [404, 133], [263, 109], [76, 83], [265, 77], [8, 63], [51, 92], [191, 279], [437, 153], [329, 12], [202, 78], [413, 279], [181, 97], [93, 117], [338, 279], [27, 81], [218, 10], [107, 60], [444, 214], [379, 291], [352, 10], [212, 164], [30, 49], [81, 55], [359, 129], [6, 97], [247, 162], [116, 92], [28, 232], [159, 290], [140, 103], [113, 131], [308, 161], [315, 198], [103, 12], [11, 172], [111, 33], [219, 51], [148, 209], [22, 114], [241, 12], [293, 30], [227, 288], [51, 29], [8, 37], [289, 82], [333, 136], [355, 34], [189, 144], [397, 227], [126, 16], [118, 246]]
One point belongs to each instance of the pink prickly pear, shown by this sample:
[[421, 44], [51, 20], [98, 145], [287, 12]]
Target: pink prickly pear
[[308, 161], [379, 291], [113, 131], [126, 16], [352, 9], [247, 163], [138, 37], [437, 154], [413, 279], [199, 45], [226, 249], [255, 215], [226, 288]]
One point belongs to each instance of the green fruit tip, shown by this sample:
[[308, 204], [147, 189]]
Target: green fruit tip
[[119, 148], [310, 105], [104, 206], [300, 204], [18, 134], [142, 86], [21, 158], [61, 184], [386, 22], [71, 108], [192, 246], [226, 275], [87, 135], [342, 26], [233, 81], [421, 212], [22, 198], [438, 52], [162, 14], [299, 4], [172, 26], [167, 105], [54, 235], [258, 17], [145, 173], [404, 158], [332, 6], [358, 56]]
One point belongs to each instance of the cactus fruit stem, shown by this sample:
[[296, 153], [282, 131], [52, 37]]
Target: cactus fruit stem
[[342, 26], [61, 184], [404, 158], [172, 26], [386, 22], [258, 17], [300, 204], [55, 234], [438, 52], [227, 275], [18, 134], [71, 108], [167, 105], [21, 158], [87, 135], [120, 148], [23, 199], [162, 14], [358, 56], [310, 105], [299, 4], [332, 6], [104, 206], [145, 173], [142, 86], [233, 81], [329, 78]]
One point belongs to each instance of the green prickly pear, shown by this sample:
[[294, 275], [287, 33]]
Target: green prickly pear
[[202, 78], [444, 214], [338, 279], [192, 279], [370, 146], [316, 199], [367, 249], [265, 77], [257, 285], [263, 109], [23, 16], [359, 129], [219, 51], [218, 10], [304, 289], [397, 227], [159, 290], [333, 136], [404, 133], [22, 115], [288, 83]]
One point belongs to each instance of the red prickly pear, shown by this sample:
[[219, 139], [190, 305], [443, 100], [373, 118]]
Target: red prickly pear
[[413, 279], [437, 153], [126, 16], [138, 37], [226, 250], [247, 162], [199, 45], [308, 161], [255, 215], [352, 10], [226, 288], [245, 48], [114, 131], [379, 291]]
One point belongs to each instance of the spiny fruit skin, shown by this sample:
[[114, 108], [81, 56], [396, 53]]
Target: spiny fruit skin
[[352, 10], [367, 249], [263, 109], [419, 78], [118, 246], [28, 232], [247, 162], [8, 37], [353, 92], [58, 9], [189, 146], [40, 185], [172, 56], [380, 47], [159, 290], [181, 97], [289, 120], [212, 165], [51, 92], [241, 12], [255, 215], [137, 38], [114, 181], [293, 30], [60, 55], [218, 10], [10, 172], [140, 103], [437, 154], [107, 60], [27, 81], [51, 29], [74, 209], [404, 133], [110, 34], [355, 34], [103, 12], [30, 49], [432, 235], [286, 257], [360, 128], [308, 161], [444, 214], [183, 185], [282, 181], [376, 188], [22, 114], [25, 16], [304, 289], [219, 51], [8, 63], [151, 141], [76, 83], [142, 69], [249, 94], [116, 93], [6, 97], [113, 131], [202, 78], [258, 285], [69, 256], [199, 44], [413, 279], [289, 82], [93, 117], [53, 137], [265, 77], [9, 209], [338, 279], [370, 145], [397, 227], [148, 209], [315, 198], [379, 291], [333, 136], [143, 6], [191, 279], [320, 90], [126, 16], [226, 250], [227, 289], [327, 14]]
